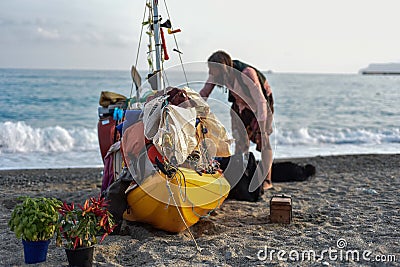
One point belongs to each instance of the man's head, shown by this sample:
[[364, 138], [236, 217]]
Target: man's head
[[220, 65]]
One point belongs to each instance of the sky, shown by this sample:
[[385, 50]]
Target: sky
[[309, 36]]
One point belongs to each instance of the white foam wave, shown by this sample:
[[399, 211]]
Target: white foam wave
[[305, 136], [18, 137]]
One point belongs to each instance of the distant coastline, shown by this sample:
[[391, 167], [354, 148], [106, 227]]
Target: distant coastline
[[381, 69]]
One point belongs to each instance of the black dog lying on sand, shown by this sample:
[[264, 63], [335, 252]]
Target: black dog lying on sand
[[291, 172]]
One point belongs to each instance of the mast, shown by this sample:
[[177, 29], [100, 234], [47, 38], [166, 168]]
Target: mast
[[156, 25]]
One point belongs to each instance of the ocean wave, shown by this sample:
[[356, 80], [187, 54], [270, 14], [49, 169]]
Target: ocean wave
[[19, 137], [305, 136]]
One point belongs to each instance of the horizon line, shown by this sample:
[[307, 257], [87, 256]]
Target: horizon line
[[129, 70]]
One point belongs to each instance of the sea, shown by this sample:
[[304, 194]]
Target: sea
[[49, 117]]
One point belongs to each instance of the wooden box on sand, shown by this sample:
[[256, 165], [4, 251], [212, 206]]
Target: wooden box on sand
[[281, 209]]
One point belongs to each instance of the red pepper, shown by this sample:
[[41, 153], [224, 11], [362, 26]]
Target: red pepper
[[76, 242], [86, 205], [66, 207], [103, 236]]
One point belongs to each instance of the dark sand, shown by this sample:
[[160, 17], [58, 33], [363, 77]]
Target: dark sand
[[355, 198]]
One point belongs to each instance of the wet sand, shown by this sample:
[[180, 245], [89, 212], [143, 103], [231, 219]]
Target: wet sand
[[349, 208]]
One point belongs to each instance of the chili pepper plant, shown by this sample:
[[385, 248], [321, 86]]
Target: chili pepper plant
[[80, 226]]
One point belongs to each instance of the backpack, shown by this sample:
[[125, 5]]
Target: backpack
[[245, 165], [116, 197]]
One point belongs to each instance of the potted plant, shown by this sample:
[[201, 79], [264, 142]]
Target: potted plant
[[80, 227], [35, 221]]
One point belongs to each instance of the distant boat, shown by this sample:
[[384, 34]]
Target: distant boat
[[382, 69]]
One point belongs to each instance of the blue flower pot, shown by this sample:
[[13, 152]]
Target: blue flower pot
[[35, 251]]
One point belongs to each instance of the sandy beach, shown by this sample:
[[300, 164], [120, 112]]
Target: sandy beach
[[350, 208]]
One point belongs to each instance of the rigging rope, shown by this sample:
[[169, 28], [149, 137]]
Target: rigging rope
[[148, 5], [199, 249], [137, 53], [177, 47], [212, 210]]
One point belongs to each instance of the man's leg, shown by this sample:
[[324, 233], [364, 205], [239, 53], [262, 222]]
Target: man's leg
[[266, 159]]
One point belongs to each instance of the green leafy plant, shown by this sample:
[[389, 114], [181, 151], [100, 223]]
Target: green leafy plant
[[35, 219], [80, 225]]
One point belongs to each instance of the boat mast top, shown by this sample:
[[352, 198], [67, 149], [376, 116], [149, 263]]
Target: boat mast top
[[156, 27]]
